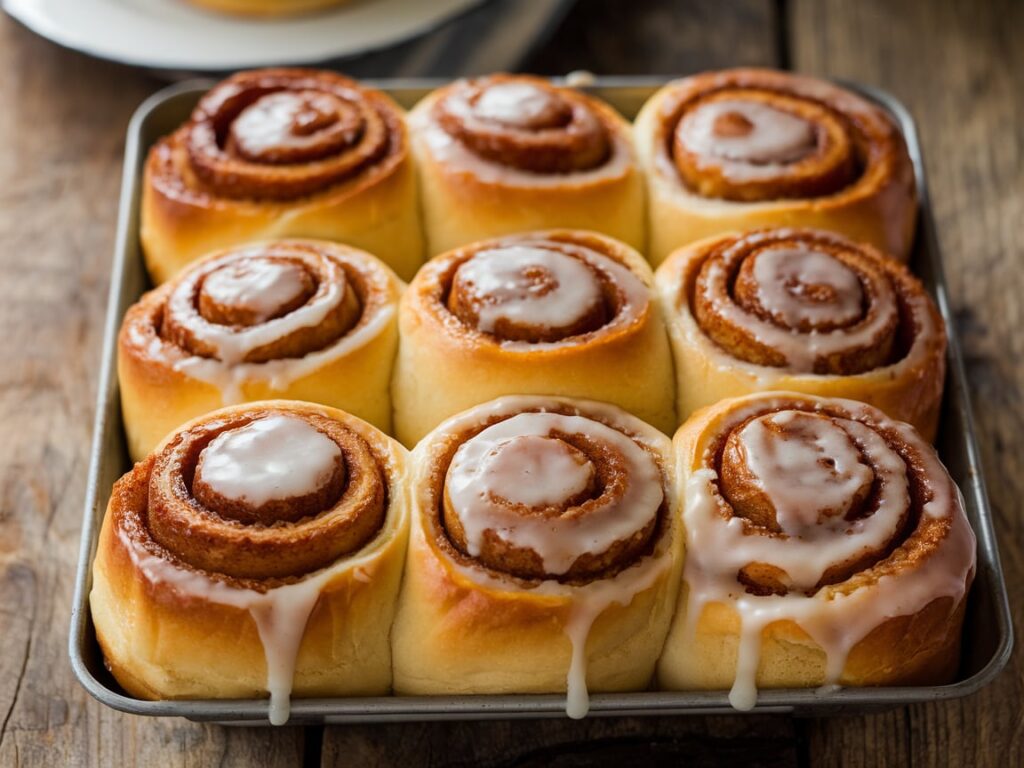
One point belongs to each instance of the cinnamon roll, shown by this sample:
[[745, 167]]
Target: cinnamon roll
[[301, 319], [283, 153], [258, 551], [825, 545], [807, 311], [558, 312], [544, 553], [268, 7], [744, 148], [509, 153]]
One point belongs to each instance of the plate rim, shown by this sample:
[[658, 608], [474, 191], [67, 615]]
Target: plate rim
[[30, 15]]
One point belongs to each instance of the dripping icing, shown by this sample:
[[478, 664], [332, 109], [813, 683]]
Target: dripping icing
[[836, 622]]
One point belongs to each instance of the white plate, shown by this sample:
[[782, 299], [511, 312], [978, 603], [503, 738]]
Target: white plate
[[174, 35]]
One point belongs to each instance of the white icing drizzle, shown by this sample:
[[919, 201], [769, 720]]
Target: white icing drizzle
[[275, 457], [261, 285], [836, 622], [589, 601], [813, 480], [566, 292], [228, 374], [280, 613], [800, 349], [783, 276], [514, 104], [776, 138], [813, 548], [271, 121], [534, 471], [635, 296], [232, 343], [492, 464], [279, 374], [446, 150], [684, 325]]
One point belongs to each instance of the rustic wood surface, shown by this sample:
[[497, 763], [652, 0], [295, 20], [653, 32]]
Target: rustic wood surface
[[959, 67]]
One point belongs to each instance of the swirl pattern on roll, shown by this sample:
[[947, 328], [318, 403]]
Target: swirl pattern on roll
[[809, 302], [797, 504], [260, 497], [525, 123], [259, 303], [536, 289], [546, 493], [752, 136], [282, 134], [272, 311]]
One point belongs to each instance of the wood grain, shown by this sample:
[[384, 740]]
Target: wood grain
[[960, 68], [713, 741]]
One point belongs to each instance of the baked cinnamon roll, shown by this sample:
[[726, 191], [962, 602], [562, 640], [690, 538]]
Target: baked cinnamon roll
[[283, 153], [806, 311], [302, 319], [544, 554], [258, 551], [825, 545], [558, 312], [510, 153], [744, 148], [268, 7]]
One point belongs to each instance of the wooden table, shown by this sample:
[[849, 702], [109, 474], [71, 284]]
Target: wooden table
[[960, 68]]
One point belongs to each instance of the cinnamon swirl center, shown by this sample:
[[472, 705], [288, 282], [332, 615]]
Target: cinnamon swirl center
[[265, 494], [752, 145], [262, 303], [824, 497], [806, 301], [528, 293], [546, 495], [285, 134], [525, 123], [274, 469]]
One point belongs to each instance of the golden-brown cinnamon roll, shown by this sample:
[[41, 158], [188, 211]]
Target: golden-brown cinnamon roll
[[508, 153], [544, 555], [744, 148], [283, 153], [258, 550], [559, 312], [825, 544], [802, 310], [302, 319], [268, 7]]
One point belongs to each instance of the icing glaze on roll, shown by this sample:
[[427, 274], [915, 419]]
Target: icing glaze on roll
[[254, 290], [269, 459], [747, 144], [524, 482], [272, 312], [824, 513], [522, 130], [747, 132], [529, 291], [282, 134], [256, 509], [802, 300]]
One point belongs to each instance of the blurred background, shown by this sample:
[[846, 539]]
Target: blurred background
[[170, 39]]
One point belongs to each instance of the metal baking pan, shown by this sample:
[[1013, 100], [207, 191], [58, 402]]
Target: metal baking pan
[[988, 634]]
